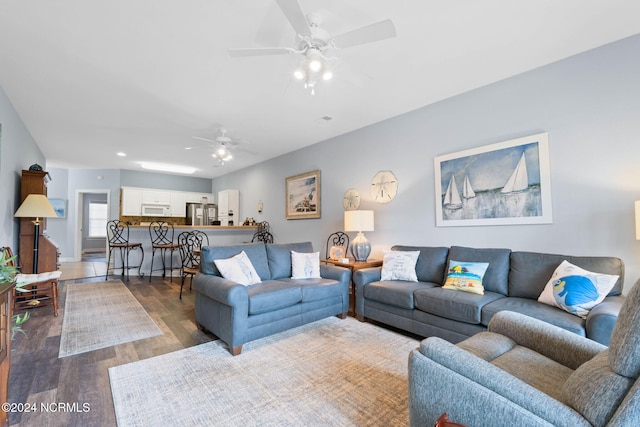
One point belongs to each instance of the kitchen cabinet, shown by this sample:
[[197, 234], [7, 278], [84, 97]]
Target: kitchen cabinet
[[197, 197], [131, 201], [178, 204], [156, 197], [229, 207]]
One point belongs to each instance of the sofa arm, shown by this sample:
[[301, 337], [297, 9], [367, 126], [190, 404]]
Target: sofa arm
[[365, 276], [602, 318], [340, 274], [566, 348], [446, 378], [224, 291], [361, 278]]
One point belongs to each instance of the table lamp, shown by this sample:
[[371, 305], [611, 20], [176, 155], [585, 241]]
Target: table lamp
[[36, 206], [359, 221]]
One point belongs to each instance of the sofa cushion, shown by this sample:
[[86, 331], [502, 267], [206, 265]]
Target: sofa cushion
[[575, 289], [238, 268], [398, 293], [399, 265], [255, 251], [431, 264], [461, 306], [305, 265], [279, 257], [315, 289], [496, 279], [530, 271], [535, 309], [466, 276], [273, 295]]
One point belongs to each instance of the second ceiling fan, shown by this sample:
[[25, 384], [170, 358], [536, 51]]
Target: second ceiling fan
[[313, 42]]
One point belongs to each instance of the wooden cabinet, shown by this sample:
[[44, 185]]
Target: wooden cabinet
[[131, 201], [5, 346], [35, 182]]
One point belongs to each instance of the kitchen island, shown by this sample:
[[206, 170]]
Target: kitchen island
[[218, 235]]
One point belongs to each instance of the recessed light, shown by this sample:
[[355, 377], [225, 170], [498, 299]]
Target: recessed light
[[121, 154], [163, 167]]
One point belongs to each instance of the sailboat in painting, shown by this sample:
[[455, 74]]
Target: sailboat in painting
[[519, 181], [452, 196], [467, 189]]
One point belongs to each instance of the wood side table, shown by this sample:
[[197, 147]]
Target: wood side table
[[354, 265]]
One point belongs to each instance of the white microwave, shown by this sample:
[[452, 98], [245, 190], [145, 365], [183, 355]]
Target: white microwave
[[156, 210]]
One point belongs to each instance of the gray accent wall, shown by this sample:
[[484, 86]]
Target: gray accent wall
[[590, 106], [18, 151]]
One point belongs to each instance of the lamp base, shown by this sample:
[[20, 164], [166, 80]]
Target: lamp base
[[360, 247]]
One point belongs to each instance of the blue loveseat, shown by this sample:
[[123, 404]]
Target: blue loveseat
[[238, 314], [513, 282]]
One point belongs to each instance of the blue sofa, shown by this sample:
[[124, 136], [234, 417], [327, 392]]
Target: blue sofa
[[513, 281], [238, 314]]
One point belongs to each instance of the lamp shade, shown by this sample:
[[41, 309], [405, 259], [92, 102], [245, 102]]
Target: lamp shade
[[638, 219], [36, 206], [358, 221]]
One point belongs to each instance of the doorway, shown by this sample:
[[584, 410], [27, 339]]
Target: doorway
[[93, 207]]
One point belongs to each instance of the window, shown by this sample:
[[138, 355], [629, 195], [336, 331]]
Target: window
[[98, 219]]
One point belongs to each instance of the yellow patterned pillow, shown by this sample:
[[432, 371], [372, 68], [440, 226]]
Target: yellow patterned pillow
[[466, 276]]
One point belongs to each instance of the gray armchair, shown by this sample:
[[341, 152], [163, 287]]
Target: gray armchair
[[526, 372]]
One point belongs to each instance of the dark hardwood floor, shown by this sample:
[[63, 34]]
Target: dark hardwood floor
[[76, 389]]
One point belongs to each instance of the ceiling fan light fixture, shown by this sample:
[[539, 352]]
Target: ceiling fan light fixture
[[298, 73], [327, 75], [315, 65]]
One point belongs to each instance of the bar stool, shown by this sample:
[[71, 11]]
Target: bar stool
[[118, 237], [190, 244], [161, 234]]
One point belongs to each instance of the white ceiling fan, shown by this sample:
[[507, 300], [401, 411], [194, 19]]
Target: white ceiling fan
[[313, 43], [222, 145]]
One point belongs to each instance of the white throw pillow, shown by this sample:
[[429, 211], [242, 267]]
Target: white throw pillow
[[305, 265], [239, 269], [575, 289], [399, 265]]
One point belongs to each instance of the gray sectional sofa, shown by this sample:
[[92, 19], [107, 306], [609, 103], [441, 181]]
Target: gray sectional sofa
[[238, 314], [513, 281]]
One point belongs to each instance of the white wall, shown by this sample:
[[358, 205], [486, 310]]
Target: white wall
[[590, 106]]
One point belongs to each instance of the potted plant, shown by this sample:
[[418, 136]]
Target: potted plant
[[8, 273]]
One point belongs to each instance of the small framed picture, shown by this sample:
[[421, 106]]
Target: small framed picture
[[302, 196], [60, 206]]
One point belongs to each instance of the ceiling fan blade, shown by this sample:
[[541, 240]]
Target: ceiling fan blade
[[296, 17], [367, 34], [258, 51], [204, 139]]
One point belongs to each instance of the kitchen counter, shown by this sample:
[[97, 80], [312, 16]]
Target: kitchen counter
[[218, 235]]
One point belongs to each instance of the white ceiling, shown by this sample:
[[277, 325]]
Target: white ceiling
[[91, 78]]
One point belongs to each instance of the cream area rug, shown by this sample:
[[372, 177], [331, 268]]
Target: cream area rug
[[102, 314], [331, 372]]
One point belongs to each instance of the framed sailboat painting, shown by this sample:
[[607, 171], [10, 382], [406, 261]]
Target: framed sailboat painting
[[498, 184]]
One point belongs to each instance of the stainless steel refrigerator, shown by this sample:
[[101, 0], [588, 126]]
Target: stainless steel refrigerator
[[199, 214]]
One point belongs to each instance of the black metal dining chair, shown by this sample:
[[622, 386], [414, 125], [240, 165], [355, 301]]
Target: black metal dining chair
[[118, 239], [190, 243], [161, 234], [263, 234]]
